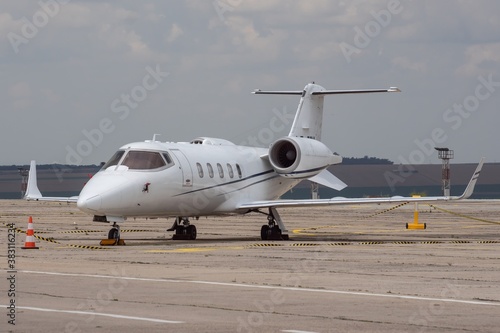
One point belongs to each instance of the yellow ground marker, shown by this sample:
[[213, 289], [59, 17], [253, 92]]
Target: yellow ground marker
[[415, 224]]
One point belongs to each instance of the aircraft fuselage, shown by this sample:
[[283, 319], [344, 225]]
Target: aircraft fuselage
[[199, 179]]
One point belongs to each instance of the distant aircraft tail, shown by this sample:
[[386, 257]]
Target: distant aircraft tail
[[32, 191], [309, 116]]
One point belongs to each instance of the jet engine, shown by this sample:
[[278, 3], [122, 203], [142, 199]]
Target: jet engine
[[296, 157]]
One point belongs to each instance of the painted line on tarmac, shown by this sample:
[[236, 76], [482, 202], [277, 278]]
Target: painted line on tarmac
[[256, 286], [296, 331], [154, 320], [304, 244], [196, 249], [463, 215]]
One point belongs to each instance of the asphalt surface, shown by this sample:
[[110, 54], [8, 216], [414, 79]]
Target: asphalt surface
[[352, 268]]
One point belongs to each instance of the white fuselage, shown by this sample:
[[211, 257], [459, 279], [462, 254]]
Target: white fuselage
[[201, 179]]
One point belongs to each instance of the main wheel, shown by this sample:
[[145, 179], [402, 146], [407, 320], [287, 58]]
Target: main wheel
[[113, 233], [179, 230], [275, 233], [264, 232], [191, 231]]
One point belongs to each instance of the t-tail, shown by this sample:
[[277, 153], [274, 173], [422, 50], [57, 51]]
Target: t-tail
[[309, 116], [301, 154]]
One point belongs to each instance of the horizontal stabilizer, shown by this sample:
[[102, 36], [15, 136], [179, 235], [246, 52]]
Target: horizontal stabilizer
[[309, 116], [262, 92], [327, 179], [324, 92], [356, 91]]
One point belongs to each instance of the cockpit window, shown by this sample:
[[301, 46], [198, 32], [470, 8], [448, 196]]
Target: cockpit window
[[143, 160], [114, 160], [167, 158]]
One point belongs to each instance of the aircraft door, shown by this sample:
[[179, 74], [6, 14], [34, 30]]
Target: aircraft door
[[187, 172]]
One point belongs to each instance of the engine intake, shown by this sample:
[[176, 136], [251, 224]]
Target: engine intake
[[297, 157]]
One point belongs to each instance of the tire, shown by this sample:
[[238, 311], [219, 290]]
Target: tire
[[191, 231], [113, 233], [179, 230], [264, 232], [275, 233]]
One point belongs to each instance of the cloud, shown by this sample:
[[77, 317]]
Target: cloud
[[20, 94], [20, 90], [50, 95], [407, 64], [175, 32], [480, 59], [92, 51]]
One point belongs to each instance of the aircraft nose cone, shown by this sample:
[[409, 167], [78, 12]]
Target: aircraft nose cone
[[93, 203]]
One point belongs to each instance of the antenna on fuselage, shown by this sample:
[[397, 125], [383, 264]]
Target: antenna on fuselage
[[154, 137]]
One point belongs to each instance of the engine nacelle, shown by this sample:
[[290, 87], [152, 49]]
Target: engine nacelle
[[297, 157]]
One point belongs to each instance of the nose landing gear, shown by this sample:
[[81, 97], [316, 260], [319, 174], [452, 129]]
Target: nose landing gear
[[113, 236], [114, 233]]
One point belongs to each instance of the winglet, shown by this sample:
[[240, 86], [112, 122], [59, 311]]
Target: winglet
[[32, 191], [472, 183]]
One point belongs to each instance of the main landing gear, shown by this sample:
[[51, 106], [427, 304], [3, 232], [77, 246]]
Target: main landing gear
[[183, 229], [275, 229]]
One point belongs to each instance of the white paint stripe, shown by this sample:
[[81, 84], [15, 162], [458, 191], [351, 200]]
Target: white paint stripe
[[154, 320], [240, 285]]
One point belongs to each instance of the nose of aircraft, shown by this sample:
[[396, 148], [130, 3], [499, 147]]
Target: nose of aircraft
[[89, 203], [103, 193]]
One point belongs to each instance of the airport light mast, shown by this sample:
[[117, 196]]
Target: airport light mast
[[445, 154], [24, 180], [314, 190]]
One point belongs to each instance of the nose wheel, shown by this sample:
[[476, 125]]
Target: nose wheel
[[114, 232], [183, 229], [113, 236]]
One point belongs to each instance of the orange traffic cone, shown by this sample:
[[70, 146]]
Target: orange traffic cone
[[30, 236]]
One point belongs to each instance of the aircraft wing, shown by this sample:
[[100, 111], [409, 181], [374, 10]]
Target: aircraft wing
[[33, 193], [344, 201]]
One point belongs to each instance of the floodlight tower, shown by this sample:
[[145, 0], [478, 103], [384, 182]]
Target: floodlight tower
[[314, 190], [24, 180], [445, 155]]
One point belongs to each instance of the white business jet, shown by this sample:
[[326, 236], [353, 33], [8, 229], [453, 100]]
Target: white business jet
[[210, 176]]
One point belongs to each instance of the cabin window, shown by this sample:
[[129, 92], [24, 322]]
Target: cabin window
[[221, 171], [238, 170], [230, 170], [143, 160], [200, 170], [114, 160], [210, 170]]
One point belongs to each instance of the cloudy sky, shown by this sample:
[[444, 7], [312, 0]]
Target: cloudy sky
[[81, 78]]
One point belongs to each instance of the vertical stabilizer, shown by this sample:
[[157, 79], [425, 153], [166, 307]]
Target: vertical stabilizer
[[309, 115], [32, 191]]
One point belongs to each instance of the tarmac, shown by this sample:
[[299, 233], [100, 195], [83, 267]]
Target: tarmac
[[353, 268]]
